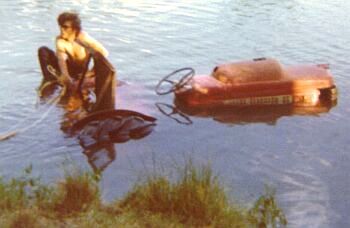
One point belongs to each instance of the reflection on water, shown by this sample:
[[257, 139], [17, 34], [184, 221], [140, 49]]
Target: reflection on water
[[268, 114], [100, 157], [174, 113], [306, 158], [98, 132], [96, 123]]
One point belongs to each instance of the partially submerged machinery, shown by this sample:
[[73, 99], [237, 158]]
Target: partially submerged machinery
[[257, 82]]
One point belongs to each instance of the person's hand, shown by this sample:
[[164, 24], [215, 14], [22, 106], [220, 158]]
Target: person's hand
[[74, 103], [66, 81]]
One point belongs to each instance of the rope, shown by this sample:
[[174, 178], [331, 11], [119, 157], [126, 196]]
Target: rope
[[52, 102], [11, 134]]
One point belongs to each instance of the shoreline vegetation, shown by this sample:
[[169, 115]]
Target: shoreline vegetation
[[195, 198]]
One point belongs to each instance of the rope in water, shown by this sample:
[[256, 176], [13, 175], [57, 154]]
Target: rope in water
[[52, 102]]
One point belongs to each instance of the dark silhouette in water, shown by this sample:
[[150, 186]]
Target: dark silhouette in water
[[98, 132], [97, 124]]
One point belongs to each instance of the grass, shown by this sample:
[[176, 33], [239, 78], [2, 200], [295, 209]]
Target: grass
[[75, 194], [195, 198]]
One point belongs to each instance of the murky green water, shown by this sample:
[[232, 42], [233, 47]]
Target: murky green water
[[305, 157]]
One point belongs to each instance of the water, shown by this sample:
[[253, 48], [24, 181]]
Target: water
[[305, 157]]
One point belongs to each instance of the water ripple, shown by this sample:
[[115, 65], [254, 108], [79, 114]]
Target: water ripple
[[303, 155]]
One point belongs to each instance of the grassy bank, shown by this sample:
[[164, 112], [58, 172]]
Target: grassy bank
[[194, 199]]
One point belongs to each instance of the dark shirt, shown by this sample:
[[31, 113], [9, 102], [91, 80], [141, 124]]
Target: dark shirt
[[76, 68]]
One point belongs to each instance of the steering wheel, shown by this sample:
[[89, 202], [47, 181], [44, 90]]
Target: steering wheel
[[180, 118], [189, 73]]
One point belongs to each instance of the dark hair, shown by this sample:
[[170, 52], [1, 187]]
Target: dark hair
[[70, 16]]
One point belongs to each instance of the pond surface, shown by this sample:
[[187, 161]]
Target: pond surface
[[304, 157]]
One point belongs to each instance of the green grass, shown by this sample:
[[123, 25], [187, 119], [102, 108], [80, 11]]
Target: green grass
[[76, 194], [195, 198]]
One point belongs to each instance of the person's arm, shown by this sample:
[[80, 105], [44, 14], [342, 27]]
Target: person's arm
[[62, 58], [87, 40]]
